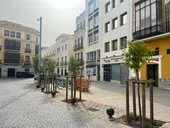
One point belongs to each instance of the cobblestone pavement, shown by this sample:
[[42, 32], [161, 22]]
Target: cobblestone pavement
[[24, 106]]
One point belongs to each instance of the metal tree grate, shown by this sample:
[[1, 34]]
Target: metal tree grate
[[93, 109]]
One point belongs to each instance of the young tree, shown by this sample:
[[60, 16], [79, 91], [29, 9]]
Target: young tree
[[36, 64], [136, 56], [73, 67]]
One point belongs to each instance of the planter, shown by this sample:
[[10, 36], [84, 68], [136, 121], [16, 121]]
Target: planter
[[38, 86]]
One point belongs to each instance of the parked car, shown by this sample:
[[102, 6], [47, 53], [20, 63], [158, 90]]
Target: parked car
[[24, 75]]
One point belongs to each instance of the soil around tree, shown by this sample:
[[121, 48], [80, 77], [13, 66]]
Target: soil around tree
[[135, 123]]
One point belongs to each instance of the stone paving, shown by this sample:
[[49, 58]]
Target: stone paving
[[114, 95], [24, 106]]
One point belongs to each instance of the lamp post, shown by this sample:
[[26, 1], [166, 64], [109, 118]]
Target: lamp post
[[39, 59], [40, 20]]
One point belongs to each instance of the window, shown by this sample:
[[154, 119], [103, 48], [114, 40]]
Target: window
[[123, 18], [18, 35], [114, 3], [37, 39], [90, 6], [62, 48], [96, 4], [121, 1], [123, 42], [12, 34], [65, 58], [107, 7], [82, 41], [65, 46], [96, 36], [61, 59], [168, 51], [27, 46], [90, 24], [28, 37], [96, 20], [81, 55], [90, 36], [115, 23], [107, 47], [107, 26], [6, 33], [27, 58], [114, 45]]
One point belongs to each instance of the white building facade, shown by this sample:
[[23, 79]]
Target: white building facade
[[61, 52], [79, 36], [116, 31], [93, 45]]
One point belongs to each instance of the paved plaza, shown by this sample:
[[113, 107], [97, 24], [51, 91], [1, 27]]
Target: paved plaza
[[24, 106]]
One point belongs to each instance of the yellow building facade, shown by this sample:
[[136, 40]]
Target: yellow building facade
[[18, 45], [161, 61], [152, 26]]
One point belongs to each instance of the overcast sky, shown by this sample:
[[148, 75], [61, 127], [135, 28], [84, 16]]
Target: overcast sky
[[58, 15]]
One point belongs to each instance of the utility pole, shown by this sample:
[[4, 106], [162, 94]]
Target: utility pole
[[40, 20]]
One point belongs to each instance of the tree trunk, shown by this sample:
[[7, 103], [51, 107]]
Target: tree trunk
[[139, 99]]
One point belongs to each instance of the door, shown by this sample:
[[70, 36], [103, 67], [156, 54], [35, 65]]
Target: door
[[98, 72], [0, 72], [124, 73], [11, 72], [116, 72], [107, 73], [152, 73]]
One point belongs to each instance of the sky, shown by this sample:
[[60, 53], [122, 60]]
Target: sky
[[58, 15]]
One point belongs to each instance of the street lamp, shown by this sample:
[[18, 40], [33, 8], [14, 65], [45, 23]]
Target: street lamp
[[40, 20]]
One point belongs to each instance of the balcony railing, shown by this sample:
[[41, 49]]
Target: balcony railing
[[78, 47], [63, 63], [57, 64], [27, 50], [152, 31]]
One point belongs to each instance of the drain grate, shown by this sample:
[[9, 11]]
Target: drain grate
[[93, 109]]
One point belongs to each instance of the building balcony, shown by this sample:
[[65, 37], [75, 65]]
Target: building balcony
[[152, 31], [27, 50], [81, 62], [63, 63], [79, 47]]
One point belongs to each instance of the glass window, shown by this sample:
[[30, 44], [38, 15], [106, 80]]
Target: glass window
[[27, 46], [27, 58], [107, 7], [137, 21], [123, 42], [90, 36], [28, 37], [90, 24], [121, 1], [114, 45], [12, 34], [96, 19], [18, 35], [6, 33], [114, 3], [115, 23], [107, 26], [107, 47], [153, 14], [123, 18], [96, 4], [96, 36], [36, 39], [65, 46]]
